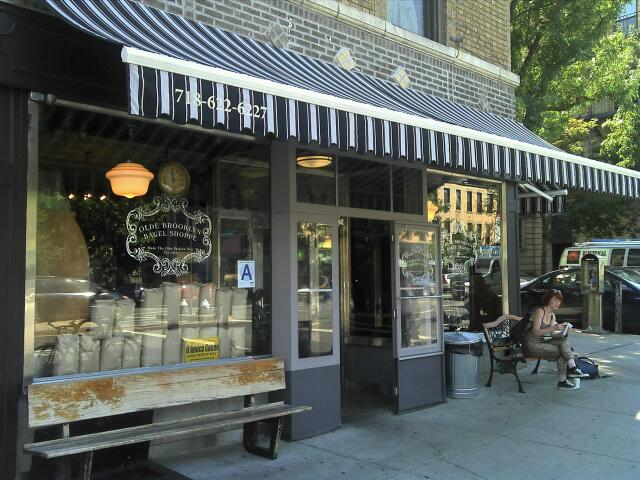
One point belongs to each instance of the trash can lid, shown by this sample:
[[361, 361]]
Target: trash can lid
[[462, 338]]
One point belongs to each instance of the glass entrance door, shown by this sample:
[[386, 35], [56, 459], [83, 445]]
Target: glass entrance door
[[418, 313]]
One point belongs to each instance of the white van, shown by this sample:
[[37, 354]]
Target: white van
[[615, 253]]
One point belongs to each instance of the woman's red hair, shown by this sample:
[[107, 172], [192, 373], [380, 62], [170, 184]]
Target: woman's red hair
[[552, 293]]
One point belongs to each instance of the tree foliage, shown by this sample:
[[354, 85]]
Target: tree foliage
[[571, 61], [548, 36]]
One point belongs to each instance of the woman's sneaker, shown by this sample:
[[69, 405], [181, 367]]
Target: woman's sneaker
[[575, 372], [566, 385]]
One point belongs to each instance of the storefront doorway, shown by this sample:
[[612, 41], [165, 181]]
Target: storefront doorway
[[389, 315], [366, 316]]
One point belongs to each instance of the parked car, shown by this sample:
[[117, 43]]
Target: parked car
[[568, 280]]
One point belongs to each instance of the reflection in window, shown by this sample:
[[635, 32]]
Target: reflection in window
[[315, 289], [360, 184], [363, 184], [165, 291], [471, 294], [633, 260], [419, 304], [417, 16], [371, 305], [316, 184], [407, 190]]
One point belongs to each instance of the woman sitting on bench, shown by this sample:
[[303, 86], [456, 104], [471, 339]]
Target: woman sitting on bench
[[543, 321]]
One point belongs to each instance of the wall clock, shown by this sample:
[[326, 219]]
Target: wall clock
[[173, 178]]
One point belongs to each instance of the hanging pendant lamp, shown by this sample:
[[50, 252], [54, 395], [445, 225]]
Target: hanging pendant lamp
[[129, 179], [314, 161]]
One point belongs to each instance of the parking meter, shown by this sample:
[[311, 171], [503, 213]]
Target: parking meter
[[592, 287]]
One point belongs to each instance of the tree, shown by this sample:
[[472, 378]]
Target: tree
[[547, 36], [569, 58]]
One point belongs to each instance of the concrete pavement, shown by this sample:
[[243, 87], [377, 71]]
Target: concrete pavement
[[590, 433]]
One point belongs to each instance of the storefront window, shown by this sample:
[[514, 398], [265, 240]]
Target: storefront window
[[316, 183], [364, 184], [471, 250], [177, 275], [419, 300], [407, 190], [315, 289], [360, 183]]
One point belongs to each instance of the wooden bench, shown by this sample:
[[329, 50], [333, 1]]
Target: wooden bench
[[504, 353], [62, 402]]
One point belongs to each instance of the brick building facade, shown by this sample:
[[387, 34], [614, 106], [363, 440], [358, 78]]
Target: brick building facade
[[476, 75]]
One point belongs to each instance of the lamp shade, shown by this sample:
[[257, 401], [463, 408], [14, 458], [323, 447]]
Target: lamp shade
[[314, 161], [129, 179]]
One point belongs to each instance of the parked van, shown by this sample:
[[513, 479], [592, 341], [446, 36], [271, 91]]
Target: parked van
[[615, 253]]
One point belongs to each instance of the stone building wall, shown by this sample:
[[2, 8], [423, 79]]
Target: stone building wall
[[475, 74], [535, 252], [484, 26], [318, 28]]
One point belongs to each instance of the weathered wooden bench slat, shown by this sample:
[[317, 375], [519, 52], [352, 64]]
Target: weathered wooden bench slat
[[62, 401], [80, 399], [194, 426]]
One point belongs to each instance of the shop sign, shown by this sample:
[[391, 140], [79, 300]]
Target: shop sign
[[169, 235], [246, 274], [200, 349]]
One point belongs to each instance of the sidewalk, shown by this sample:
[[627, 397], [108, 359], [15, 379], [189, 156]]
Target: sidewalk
[[590, 433]]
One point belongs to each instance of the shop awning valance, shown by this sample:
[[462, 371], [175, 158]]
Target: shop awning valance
[[193, 73]]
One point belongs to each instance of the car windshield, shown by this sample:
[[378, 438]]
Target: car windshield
[[631, 275]]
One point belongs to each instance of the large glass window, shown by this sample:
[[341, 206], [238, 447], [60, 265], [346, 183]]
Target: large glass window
[[364, 184], [360, 183], [179, 274], [471, 250], [417, 16], [419, 296], [407, 190], [315, 289], [316, 179]]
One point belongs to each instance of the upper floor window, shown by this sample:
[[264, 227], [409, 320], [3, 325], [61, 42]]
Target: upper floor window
[[417, 16], [629, 8], [628, 17]]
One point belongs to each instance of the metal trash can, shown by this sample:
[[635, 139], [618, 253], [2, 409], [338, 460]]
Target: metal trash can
[[462, 352]]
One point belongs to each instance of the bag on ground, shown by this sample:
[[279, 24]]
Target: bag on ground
[[588, 366]]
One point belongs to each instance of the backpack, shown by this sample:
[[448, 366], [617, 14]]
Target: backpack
[[520, 329], [586, 365]]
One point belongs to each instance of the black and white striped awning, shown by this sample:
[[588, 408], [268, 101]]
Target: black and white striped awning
[[192, 73], [542, 206]]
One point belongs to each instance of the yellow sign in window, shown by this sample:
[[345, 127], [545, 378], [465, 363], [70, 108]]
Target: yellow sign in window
[[200, 349]]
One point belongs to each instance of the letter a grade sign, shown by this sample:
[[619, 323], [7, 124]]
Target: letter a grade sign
[[246, 274]]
